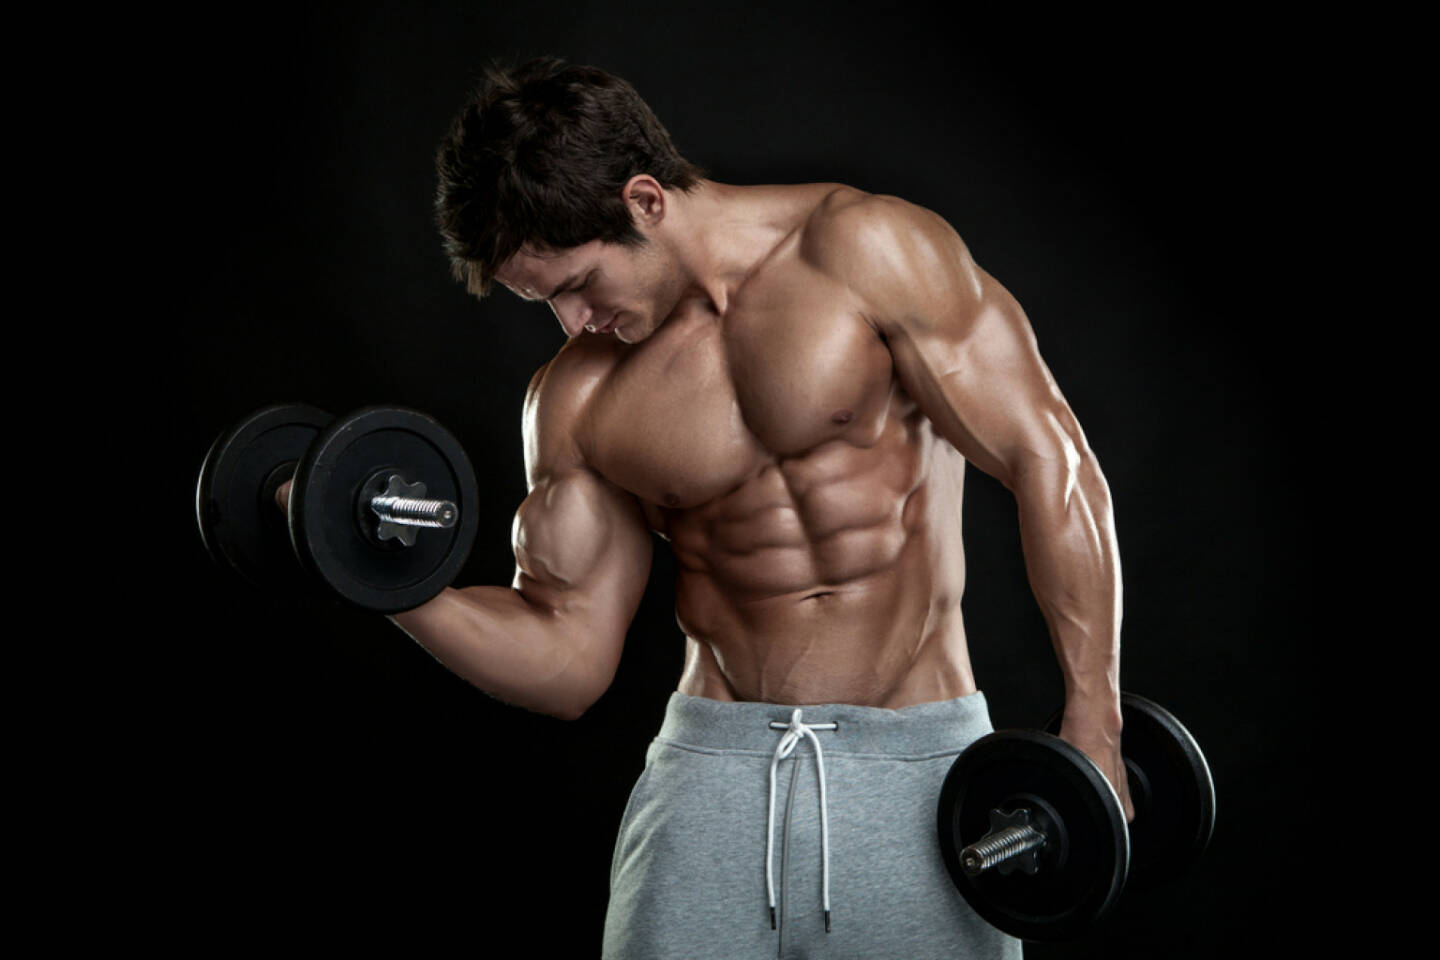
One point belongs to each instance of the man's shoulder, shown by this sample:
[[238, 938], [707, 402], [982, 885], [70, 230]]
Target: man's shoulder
[[879, 245], [561, 392], [849, 223]]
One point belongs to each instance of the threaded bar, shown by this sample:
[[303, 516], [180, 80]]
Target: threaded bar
[[413, 512], [998, 847]]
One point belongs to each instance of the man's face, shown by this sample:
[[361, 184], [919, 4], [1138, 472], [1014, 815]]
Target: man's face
[[600, 287]]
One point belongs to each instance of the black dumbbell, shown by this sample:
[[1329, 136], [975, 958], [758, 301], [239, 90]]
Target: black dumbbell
[[1033, 834], [363, 486]]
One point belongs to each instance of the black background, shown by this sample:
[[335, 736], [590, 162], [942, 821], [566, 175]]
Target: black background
[[324, 779]]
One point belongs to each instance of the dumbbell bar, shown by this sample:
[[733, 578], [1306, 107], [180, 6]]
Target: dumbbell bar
[[1053, 851], [356, 503]]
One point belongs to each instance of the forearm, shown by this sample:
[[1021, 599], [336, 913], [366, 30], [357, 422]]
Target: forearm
[[517, 650], [1067, 531]]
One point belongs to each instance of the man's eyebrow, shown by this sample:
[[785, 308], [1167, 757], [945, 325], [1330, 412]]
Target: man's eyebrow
[[565, 284]]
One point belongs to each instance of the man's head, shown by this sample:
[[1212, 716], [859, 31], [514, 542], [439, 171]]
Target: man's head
[[540, 158], [607, 287]]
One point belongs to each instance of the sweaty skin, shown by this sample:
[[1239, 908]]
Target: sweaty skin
[[786, 383]]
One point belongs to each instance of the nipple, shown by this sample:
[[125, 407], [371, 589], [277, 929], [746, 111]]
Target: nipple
[[842, 416], [671, 500]]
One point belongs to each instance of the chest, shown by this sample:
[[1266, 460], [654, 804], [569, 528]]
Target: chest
[[711, 401]]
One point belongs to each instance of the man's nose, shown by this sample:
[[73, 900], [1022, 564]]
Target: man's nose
[[573, 315]]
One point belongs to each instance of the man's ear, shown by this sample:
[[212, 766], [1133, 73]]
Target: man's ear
[[645, 198]]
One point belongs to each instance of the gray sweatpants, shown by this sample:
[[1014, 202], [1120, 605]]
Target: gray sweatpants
[[689, 876]]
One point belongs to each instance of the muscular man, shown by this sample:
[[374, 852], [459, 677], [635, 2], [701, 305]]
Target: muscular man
[[784, 382]]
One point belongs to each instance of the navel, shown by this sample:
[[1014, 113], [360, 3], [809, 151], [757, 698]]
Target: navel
[[842, 416]]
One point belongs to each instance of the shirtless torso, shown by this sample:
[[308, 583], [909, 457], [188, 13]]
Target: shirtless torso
[[814, 518], [786, 384]]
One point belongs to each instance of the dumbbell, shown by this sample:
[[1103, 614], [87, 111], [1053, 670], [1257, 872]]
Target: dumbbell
[[1033, 834], [382, 508]]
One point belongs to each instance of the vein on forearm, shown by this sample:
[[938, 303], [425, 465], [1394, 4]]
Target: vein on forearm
[[1071, 555]]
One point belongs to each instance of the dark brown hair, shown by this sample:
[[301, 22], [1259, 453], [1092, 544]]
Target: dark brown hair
[[538, 156]]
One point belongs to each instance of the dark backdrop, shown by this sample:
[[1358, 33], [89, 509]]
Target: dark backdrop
[[325, 778]]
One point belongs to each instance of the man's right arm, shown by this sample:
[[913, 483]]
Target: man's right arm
[[551, 642]]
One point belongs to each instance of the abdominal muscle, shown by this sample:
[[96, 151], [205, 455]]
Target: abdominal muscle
[[835, 577]]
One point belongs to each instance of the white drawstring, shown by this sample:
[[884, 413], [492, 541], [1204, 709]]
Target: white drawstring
[[794, 730]]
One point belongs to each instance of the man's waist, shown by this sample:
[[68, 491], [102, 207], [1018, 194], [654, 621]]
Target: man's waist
[[923, 729]]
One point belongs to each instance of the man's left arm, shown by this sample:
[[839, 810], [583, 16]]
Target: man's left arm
[[964, 351]]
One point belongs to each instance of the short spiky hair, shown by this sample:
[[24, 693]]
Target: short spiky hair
[[538, 156]]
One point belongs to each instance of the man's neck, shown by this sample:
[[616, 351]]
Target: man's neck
[[719, 234]]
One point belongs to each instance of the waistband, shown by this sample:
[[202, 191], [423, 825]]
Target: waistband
[[943, 726]]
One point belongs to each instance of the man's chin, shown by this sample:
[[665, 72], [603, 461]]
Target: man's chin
[[630, 332]]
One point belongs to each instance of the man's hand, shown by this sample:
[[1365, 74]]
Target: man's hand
[[282, 496], [1104, 748]]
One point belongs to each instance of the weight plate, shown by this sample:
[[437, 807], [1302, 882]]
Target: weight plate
[[1180, 816], [1171, 787], [235, 495], [334, 531], [1082, 869]]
